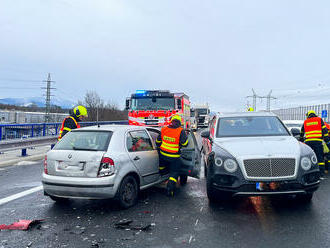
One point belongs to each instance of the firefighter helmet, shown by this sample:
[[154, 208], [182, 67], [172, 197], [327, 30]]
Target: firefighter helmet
[[250, 109], [176, 117], [310, 112], [80, 111]]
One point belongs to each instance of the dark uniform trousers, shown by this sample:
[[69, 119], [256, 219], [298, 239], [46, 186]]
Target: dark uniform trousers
[[172, 166], [317, 147]]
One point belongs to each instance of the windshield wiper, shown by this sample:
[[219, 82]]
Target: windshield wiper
[[84, 149]]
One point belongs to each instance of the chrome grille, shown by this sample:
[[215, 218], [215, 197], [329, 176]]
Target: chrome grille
[[151, 121], [273, 167]]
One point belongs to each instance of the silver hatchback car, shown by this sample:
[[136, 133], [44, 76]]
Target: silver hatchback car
[[113, 161]]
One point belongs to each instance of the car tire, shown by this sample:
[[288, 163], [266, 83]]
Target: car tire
[[214, 195], [127, 194], [58, 199], [183, 180], [210, 191], [306, 198]]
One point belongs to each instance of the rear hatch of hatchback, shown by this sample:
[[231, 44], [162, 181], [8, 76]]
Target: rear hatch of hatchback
[[78, 154]]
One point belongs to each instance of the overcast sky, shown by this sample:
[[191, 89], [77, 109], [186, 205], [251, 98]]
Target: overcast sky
[[215, 51]]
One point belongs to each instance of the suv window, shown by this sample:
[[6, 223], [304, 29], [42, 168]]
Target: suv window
[[250, 126], [138, 141]]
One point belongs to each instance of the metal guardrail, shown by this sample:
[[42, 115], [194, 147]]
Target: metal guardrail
[[22, 131], [42, 137], [11, 145]]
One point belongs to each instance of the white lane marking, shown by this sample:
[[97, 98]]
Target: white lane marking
[[196, 222], [190, 239], [19, 195]]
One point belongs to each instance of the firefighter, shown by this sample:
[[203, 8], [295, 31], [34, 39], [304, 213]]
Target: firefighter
[[327, 155], [169, 141], [315, 132], [71, 122]]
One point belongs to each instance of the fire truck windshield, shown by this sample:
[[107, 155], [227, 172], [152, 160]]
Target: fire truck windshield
[[156, 103], [202, 111]]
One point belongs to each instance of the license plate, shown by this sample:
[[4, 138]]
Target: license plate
[[64, 166], [267, 186]]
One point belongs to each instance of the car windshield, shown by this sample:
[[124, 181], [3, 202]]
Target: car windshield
[[251, 126], [85, 141], [155, 103]]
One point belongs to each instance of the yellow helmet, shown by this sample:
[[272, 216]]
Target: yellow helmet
[[310, 112], [80, 111], [250, 109], [176, 117]]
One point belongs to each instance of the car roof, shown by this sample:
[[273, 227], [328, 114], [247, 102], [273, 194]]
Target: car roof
[[112, 128], [293, 121], [245, 114]]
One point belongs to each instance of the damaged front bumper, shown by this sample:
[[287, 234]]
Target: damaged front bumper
[[239, 186]]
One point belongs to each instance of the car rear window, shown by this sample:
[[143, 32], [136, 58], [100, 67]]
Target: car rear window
[[85, 140]]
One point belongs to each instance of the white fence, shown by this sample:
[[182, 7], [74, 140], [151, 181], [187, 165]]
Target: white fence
[[299, 113]]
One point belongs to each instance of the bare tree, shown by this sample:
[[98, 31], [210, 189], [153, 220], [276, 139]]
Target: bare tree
[[106, 112]]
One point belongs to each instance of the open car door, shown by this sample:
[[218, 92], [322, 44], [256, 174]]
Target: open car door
[[191, 157]]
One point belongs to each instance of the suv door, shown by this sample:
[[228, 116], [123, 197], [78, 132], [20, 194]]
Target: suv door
[[191, 157], [143, 154]]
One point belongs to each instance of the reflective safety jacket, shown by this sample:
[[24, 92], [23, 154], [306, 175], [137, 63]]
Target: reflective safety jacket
[[171, 140], [314, 129], [68, 124]]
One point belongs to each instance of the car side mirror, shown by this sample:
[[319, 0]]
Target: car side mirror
[[205, 134], [295, 132], [179, 103], [127, 104]]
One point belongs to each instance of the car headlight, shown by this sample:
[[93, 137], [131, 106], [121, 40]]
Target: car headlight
[[306, 163], [218, 161], [230, 165], [314, 159]]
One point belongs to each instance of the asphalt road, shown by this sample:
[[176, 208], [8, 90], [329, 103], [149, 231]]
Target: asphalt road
[[187, 220]]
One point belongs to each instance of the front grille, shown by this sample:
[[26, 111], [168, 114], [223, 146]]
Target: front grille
[[273, 167], [151, 122]]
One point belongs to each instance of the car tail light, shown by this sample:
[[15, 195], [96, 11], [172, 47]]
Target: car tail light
[[45, 165], [107, 167]]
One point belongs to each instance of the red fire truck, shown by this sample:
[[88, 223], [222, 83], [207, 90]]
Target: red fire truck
[[156, 107]]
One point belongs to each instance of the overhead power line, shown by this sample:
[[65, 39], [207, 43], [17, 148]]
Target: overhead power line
[[19, 80], [269, 97]]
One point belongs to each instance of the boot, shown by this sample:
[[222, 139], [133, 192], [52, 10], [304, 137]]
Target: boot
[[170, 188]]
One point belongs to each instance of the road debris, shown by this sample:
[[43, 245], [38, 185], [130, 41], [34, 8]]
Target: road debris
[[20, 225], [126, 224]]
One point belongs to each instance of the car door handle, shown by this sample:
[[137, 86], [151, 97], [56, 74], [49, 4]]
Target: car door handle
[[137, 158]]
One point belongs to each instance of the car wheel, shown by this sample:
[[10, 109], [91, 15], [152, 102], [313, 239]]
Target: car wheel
[[305, 198], [210, 191], [127, 193], [183, 179], [59, 199], [215, 195]]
